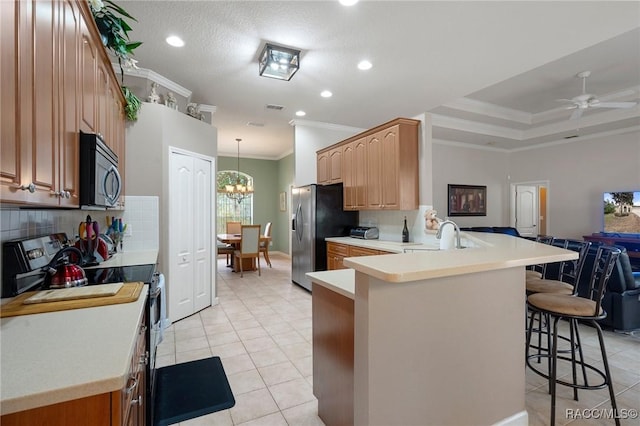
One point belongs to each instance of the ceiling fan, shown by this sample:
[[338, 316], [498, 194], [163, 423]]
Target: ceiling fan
[[586, 100]]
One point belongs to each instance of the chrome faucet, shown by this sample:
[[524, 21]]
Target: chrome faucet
[[447, 222]]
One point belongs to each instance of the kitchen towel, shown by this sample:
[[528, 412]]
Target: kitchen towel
[[191, 389]]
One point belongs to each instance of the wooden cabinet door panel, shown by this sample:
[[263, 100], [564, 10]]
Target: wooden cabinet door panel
[[69, 140], [323, 168], [88, 78], [374, 171], [348, 182], [359, 166], [43, 103], [10, 170], [335, 165], [389, 168]]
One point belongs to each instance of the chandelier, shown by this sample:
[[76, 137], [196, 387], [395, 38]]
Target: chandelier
[[239, 191]]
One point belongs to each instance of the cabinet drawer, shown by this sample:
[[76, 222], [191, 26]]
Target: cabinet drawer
[[338, 249], [361, 251]]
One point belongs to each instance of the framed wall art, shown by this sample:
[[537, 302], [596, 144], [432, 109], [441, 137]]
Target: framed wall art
[[283, 201], [467, 200]]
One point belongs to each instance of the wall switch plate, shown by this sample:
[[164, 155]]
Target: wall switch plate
[[129, 230]]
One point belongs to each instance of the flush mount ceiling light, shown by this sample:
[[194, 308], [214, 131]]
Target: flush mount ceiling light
[[348, 2], [301, 113], [326, 94], [174, 41], [364, 65], [278, 62]]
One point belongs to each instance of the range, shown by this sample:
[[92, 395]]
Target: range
[[27, 263]]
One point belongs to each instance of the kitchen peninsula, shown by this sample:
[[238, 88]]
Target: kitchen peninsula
[[438, 335]]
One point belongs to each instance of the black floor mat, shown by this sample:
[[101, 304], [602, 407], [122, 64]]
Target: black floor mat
[[189, 390]]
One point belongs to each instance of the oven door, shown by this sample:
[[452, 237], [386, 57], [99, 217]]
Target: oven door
[[155, 322]]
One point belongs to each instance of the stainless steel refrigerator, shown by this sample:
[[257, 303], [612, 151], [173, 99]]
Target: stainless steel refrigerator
[[317, 214]]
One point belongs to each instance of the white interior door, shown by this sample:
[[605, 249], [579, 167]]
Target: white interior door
[[202, 220], [189, 284], [526, 210]]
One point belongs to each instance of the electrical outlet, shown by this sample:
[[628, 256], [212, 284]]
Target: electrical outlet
[[129, 231]]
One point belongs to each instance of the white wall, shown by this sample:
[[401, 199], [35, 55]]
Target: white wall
[[579, 172], [464, 165], [310, 137]]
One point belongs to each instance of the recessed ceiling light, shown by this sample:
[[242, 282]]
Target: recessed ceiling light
[[301, 113], [348, 2], [326, 94], [364, 65], [175, 41]]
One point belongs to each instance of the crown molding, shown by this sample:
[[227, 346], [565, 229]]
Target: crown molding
[[447, 122], [469, 145], [154, 76], [328, 126], [620, 131], [489, 110]]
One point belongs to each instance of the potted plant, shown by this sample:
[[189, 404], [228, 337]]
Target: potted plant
[[114, 32]]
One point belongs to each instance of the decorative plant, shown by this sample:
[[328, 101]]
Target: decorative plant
[[114, 32]]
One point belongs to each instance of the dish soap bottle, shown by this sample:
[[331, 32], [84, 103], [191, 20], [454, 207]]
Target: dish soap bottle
[[405, 232]]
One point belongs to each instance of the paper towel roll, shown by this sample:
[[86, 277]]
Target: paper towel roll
[[447, 238]]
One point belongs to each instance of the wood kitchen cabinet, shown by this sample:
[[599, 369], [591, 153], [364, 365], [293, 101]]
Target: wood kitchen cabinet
[[336, 252], [45, 102], [329, 166], [354, 160], [125, 407], [378, 167], [392, 167]]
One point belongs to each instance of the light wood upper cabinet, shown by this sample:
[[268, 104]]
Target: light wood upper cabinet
[[51, 90], [354, 161], [329, 166], [379, 167], [322, 169]]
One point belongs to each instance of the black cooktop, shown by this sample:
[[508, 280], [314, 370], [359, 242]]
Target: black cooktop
[[142, 273]]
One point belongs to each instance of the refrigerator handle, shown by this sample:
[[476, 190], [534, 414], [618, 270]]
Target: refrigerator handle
[[298, 224]]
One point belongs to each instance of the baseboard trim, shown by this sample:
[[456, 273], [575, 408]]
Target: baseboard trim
[[518, 419]]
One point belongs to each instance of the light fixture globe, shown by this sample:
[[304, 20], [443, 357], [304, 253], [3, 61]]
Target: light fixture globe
[[239, 191], [278, 62]]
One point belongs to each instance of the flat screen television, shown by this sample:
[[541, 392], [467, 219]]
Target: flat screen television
[[622, 213]]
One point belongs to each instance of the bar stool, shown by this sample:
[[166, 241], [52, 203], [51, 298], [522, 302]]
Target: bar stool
[[574, 308], [569, 275], [538, 271]]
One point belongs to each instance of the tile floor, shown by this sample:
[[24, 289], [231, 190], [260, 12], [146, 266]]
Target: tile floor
[[261, 329]]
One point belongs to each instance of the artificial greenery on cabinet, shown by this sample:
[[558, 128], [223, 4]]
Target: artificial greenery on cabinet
[[114, 32]]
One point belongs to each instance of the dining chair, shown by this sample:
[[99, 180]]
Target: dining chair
[[227, 249], [232, 228], [249, 246], [264, 245]]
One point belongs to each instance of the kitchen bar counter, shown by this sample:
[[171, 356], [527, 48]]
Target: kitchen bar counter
[[438, 334], [61, 356]]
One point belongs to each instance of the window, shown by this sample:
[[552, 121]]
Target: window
[[230, 210]]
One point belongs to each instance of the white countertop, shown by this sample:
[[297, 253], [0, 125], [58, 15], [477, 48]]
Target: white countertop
[[129, 258], [390, 246], [342, 281], [489, 252], [60, 356]]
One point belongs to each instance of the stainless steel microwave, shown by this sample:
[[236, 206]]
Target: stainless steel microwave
[[100, 182]]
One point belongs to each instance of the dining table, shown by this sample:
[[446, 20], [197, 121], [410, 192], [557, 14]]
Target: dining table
[[248, 264]]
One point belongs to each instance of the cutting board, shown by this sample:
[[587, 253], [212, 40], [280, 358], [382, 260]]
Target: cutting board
[[74, 293], [129, 292]]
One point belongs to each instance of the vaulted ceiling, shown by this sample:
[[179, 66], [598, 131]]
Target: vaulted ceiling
[[491, 73]]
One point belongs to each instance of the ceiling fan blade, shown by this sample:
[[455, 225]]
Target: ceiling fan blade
[[614, 105], [576, 114]]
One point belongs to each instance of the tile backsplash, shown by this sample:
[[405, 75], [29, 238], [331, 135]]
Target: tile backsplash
[[390, 223], [141, 215]]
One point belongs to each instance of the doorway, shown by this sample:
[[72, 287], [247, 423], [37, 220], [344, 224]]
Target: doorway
[[529, 208]]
